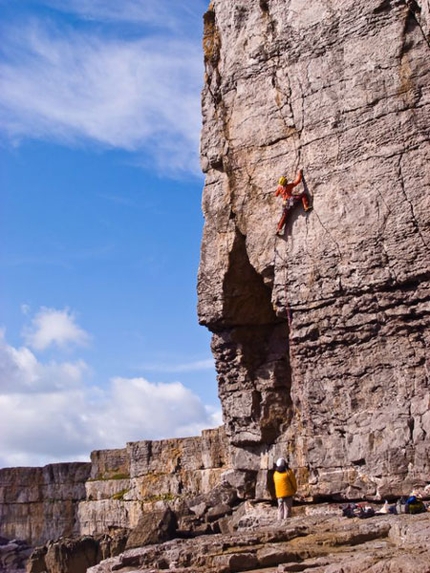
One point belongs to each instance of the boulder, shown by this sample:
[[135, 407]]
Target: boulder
[[153, 527], [13, 555], [75, 555]]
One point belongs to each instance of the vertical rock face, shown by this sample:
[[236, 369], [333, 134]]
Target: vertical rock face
[[321, 336]]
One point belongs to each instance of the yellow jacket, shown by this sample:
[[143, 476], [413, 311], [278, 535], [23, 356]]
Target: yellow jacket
[[285, 483]]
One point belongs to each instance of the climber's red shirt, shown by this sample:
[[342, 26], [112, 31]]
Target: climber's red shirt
[[286, 191]]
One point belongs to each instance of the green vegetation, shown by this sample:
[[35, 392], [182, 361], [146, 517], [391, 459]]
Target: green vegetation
[[161, 497], [119, 496], [110, 477]]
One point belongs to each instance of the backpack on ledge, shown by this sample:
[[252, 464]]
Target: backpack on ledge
[[414, 505]]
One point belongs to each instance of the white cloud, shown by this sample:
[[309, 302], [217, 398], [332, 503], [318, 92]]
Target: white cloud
[[21, 373], [49, 412], [136, 409], [196, 366], [73, 86], [51, 327]]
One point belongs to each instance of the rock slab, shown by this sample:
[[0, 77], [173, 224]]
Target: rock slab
[[321, 543]]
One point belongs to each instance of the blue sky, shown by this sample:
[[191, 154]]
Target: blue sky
[[101, 226]]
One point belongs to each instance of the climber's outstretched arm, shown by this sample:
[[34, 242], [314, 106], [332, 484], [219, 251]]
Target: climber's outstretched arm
[[298, 178]]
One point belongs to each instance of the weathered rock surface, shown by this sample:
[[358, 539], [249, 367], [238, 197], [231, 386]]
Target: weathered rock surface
[[37, 504], [153, 527], [13, 555], [206, 513], [113, 491], [125, 484], [323, 542], [76, 555], [321, 336]]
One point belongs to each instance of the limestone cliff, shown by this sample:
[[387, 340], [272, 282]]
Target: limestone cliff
[[320, 336], [37, 504], [111, 492]]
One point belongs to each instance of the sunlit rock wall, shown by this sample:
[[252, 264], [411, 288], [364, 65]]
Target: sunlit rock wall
[[38, 504], [321, 337], [125, 483]]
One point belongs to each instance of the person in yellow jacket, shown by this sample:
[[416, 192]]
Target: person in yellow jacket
[[285, 487]]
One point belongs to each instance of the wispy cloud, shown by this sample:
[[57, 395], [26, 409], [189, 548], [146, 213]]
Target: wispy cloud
[[196, 366], [158, 13], [50, 413], [75, 86], [62, 256], [118, 199]]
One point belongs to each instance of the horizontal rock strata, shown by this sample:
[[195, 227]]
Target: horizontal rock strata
[[37, 504], [113, 491]]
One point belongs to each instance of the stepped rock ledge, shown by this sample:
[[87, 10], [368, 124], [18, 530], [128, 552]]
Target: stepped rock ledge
[[320, 335]]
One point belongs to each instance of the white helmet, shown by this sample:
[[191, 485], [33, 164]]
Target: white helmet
[[281, 463]]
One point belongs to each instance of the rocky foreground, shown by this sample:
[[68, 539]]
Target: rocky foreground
[[13, 555], [324, 542], [317, 538]]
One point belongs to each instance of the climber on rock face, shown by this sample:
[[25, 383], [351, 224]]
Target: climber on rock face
[[290, 198]]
